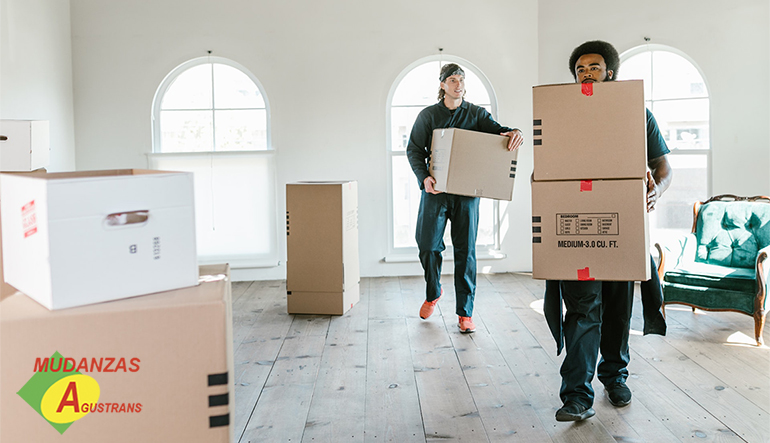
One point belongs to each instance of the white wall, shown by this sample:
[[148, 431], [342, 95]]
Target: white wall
[[36, 71], [327, 72], [729, 41]]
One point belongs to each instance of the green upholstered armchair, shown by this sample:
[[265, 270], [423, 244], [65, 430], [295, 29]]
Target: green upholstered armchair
[[722, 265]]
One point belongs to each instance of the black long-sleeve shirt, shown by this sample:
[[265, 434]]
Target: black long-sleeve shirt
[[466, 116]]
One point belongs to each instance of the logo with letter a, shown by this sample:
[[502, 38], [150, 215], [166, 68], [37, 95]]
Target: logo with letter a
[[59, 395]]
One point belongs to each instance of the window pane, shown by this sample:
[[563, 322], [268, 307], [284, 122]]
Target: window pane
[[233, 203], [401, 122], [234, 89], [638, 67], [486, 236], [406, 202], [190, 90], [242, 130], [420, 87], [683, 123], [673, 212], [186, 131], [675, 77]]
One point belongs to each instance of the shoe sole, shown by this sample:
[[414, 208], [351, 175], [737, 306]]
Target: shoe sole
[[620, 404], [588, 413], [467, 331]]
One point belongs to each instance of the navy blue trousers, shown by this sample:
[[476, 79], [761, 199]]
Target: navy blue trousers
[[463, 212], [597, 320]]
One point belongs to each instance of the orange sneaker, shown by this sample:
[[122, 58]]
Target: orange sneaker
[[427, 308], [466, 324]]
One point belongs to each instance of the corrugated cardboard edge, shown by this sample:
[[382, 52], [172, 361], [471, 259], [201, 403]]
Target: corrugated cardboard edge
[[214, 271]]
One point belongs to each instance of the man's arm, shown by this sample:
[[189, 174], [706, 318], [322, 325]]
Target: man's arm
[[658, 179], [489, 125], [418, 149]]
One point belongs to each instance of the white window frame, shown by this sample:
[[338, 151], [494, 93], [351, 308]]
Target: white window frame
[[651, 47], [410, 254], [255, 261]]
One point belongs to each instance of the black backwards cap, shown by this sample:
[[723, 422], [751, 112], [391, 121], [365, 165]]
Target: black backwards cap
[[450, 70]]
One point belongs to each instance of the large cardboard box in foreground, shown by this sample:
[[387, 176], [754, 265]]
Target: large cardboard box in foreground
[[322, 269], [156, 368], [589, 131], [71, 239], [24, 145], [590, 230], [472, 163]]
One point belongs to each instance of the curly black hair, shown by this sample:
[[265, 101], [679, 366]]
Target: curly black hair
[[606, 50]]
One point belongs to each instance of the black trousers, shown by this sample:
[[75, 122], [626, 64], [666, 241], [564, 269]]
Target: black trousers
[[463, 212], [598, 319]]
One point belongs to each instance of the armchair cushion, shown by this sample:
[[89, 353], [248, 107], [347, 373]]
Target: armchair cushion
[[731, 233], [714, 276]]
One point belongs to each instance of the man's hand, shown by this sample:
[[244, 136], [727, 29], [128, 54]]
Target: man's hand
[[652, 192], [428, 183], [517, 138]]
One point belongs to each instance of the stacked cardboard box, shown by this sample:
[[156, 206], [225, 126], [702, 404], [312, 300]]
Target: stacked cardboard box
[[472, 163], [76, 238], [24, 147], [152, 368], [589, 216], [322, 270]]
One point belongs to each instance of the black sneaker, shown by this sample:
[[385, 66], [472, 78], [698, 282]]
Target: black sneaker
[[573, 411], [618, 394]]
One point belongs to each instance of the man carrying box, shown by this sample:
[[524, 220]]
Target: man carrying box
[[598, 316], [436, 207]]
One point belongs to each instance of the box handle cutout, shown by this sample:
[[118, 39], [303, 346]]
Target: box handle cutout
[[133, 218], [3, 138]]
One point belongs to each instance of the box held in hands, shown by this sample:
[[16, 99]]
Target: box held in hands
[[590, 230], [589, 131], [472, 163]]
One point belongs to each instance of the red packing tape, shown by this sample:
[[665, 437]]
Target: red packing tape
[[584, 274], [587, 89], [586, 185]]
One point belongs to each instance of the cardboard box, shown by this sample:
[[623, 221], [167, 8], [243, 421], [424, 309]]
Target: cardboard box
[[24, 145], [167, 357], [6, 289], [71, 239], [322, 270], [590, 230], [589, 131], [472, 163]]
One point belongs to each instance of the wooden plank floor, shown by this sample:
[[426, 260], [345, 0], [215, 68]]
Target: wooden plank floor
[[381, 374]]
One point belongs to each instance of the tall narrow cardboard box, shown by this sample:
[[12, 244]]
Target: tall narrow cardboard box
[[322, 270]]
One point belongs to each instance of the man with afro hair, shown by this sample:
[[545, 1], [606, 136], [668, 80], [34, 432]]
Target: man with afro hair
[[598, 316]]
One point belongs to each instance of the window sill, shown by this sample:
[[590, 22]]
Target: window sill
[[414, 258]]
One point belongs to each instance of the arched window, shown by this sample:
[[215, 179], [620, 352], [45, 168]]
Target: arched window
[[414, 89], [210, 116], [675, 91]]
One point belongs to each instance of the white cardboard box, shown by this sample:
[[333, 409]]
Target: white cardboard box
[[24, 145], [72, 239]]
